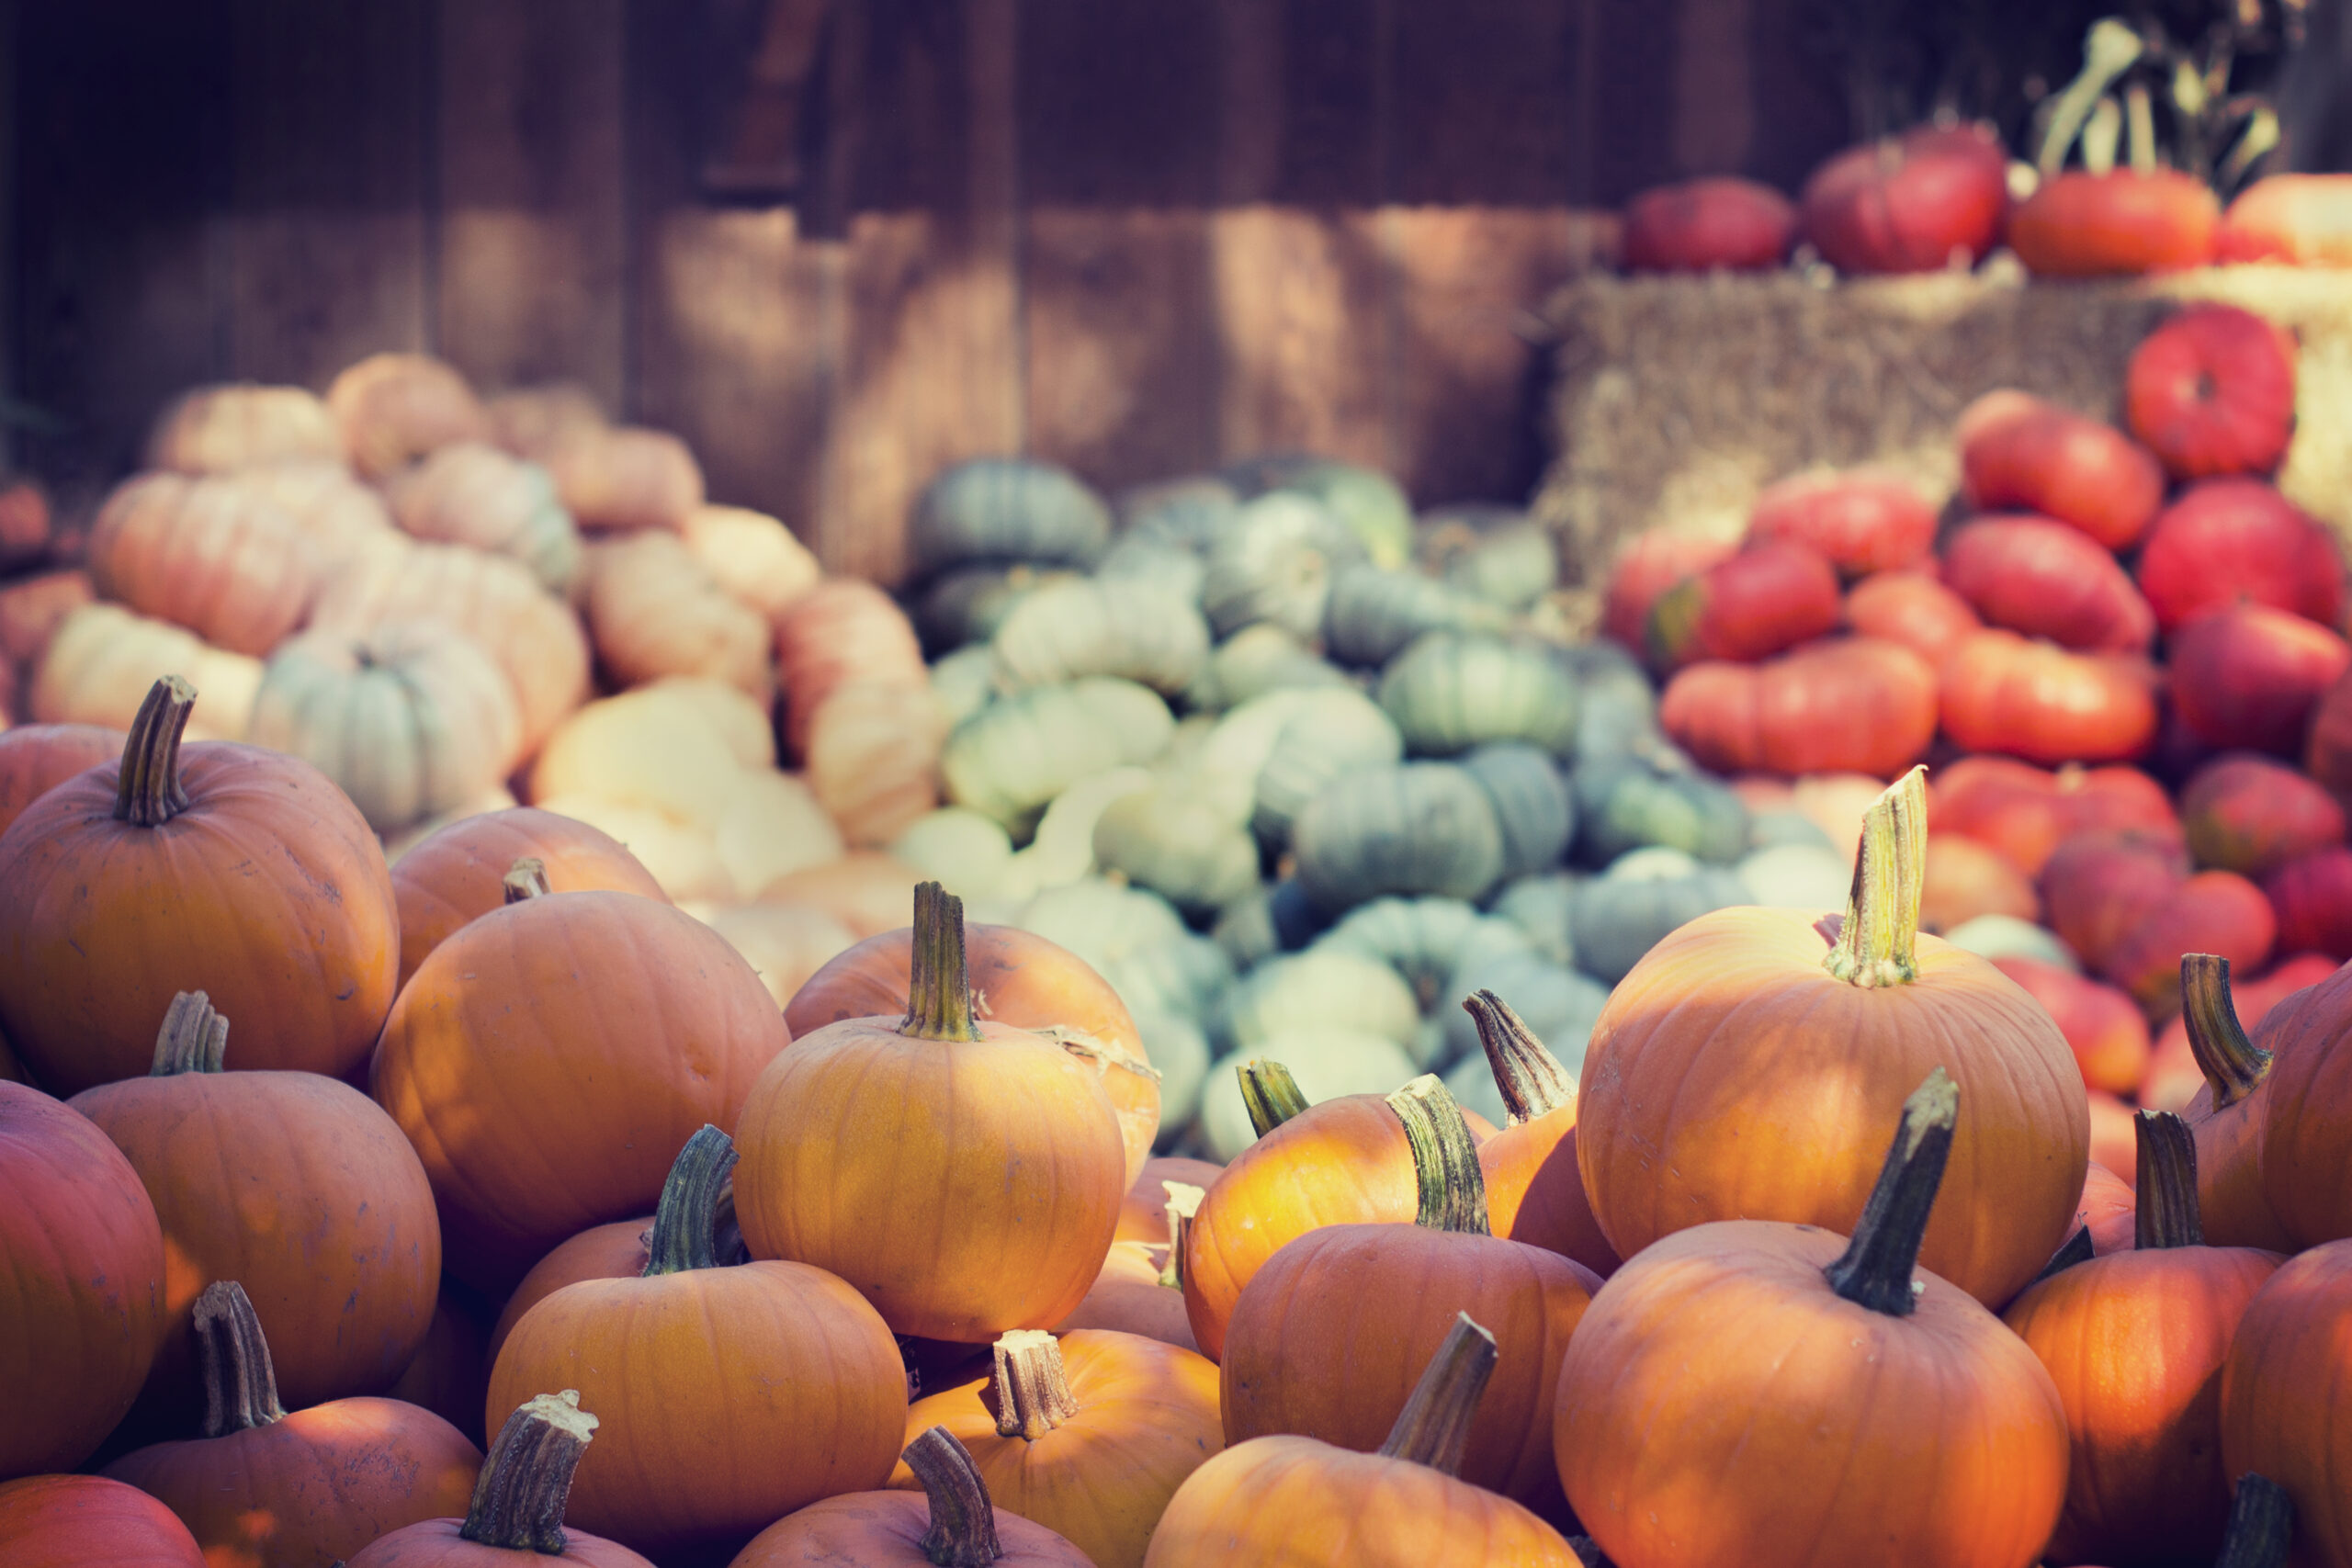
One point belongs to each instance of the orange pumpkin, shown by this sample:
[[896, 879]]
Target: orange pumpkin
[[2117, 223], [276, 1490], [296, 1186], [207, 554], [1869, 1414], [1853, 704], [654, 611], [516, 1513], [2017, 451], [2226, 1115], [2282, 1396], [396, 407], [339, 515], [1144, 1212], [843, 630], [459, 874], [1306, 1504], [2304, 1143], [82, 1303], [1006, 1165], [1535, 1191], [623, 475], [219, 867], [1966, 878], [731, 1395], [616, 1251], [1911, 608], [643, 1024], [37, 758], [1647, 565], [1138, 1291], [1750, 1017], [451, 1372], [1020, 979], [955, 1522], [84, 1522]]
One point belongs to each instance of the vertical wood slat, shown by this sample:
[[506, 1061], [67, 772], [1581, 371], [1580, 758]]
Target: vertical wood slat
[[532, 227]]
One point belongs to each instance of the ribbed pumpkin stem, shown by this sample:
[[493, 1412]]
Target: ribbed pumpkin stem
[[1434, 1426], [686, 1223], [2261, 1527], [194, 1038], [1875, 1271], [240, 1385], [1877, 942], [1532, 1079], [526, 1481], [2166, 1213], [1183, 1202], [1029, 1384], [526, 879], [938, 991], [147, 792], [1452, 1189], [2233, 1066], [963, 1520], [1271, 1094]]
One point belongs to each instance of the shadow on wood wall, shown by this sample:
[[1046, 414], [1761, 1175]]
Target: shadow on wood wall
[[1135, 236]]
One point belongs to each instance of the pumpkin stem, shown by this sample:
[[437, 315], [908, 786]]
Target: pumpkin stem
[[1532, 1079], [2076, 1249], [526, 1481], [147, 790], [2165, 1214], [1434, 1426], [527, 879], [938, 991], [1183, 1202], [1030, 1386], [963, 1520], [1272, 1095], [2261, 1527], [686, 1223], [1878, 940], [2233, 1066], [240, 1385], [1875, 1271], [194, 1038], [1446, 1162]]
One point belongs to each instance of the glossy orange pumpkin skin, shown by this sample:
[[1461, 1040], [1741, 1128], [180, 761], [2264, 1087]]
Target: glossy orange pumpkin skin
[[1646, 567], [535, 1122], [2028, 812], [1018, 978], [303, 1191], [2004, 693], [728, 1397], [312, 1488], [1331, 1334], [2018, 452], [2044, 577], [82, 1521], [2307, 1111], [1674, 1452], [2224, 540], [1853, 704], [1863, 520], [616, 1251], [2102, 1025], [1127, 1298], [81, 1306], [1535, 1193], [37, 758], [1772, 595], [2214, 911], [884, 1529], [1702, 224], [1732, 1022], [2120, 223], [2282, 1397], [2250, 676], [1911, 608], [459, 873], [268, 893]]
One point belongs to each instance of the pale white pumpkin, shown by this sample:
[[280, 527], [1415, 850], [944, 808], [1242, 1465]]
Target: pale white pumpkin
[[469, 493], [645, 749], [679, 855], [750, 555], [212, 430], [773, 827], [958, 848], [102, 659], [730, 711], [1326, 1063], [1124, 626]]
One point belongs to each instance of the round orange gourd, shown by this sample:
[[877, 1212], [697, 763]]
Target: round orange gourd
[[469, 493], [298, 1187], [1752, 1019], [2306, 1140], [617, 1251], [534, 1123], [964, 1176], [2282, 1396], [219, 867], [262, 1487], [394, 406], [623, 475], [37, 758], [873, 756], [1018, 978], [451, 1371], [82, 1302], [1750, 1393], [208, 554], [1135, 1293], [459, 874], [654, 610], [87, 1521], [1535, 1191], [731, 1395], [1088, 1435], [955, 1522]]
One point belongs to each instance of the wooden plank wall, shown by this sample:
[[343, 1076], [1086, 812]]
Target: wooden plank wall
[[1134, 236]]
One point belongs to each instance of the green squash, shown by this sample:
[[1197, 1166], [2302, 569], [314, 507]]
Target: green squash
[[1365, 501], [1629, 800], [1173, 570], [964, 682], [1531, 803], [1180, 1050], [1493, 553], [1374, 612], [1638, 901], [1539, 907], [1257, 660], [1418, 828], [1616, 705], [1327, 1063], [1424, 940], [1452, 691], [1138, 942], [1278, 918], [1772, 829], [1101, 626], [1182, 513], [967, 604], [1016, 754], [1556, 1002], [1322, 988], [1006, 510], [1176, 841], [1327, 734], [1274, 562]]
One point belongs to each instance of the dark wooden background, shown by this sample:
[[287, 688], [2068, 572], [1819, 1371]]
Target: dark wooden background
[[1134, 236]]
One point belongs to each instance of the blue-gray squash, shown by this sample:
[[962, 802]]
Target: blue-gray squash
[[1559, 1004], [1274, 562], [1424, 940], [1414, 828], [1006, 510], [1101, 626], [1630, 800], [1540, 906], [1632, 907], [1374, 612], [1322, 988], [1175, 839], [1493, 552], [1450, 691], [1531, 803], [967, 604]]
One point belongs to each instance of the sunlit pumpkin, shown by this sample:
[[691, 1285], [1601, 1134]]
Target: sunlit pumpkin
[[2212, 391], [954, 1521], [2003, 693], [459, 873]]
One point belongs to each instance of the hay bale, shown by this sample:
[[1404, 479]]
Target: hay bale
[[1675, 400]]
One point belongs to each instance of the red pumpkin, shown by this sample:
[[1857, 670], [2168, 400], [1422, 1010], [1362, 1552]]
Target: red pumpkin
[[2027, 812], [37, 758], [1914, 609], [1967, 878], [2115, 224], [89, 1521], [2104, 1027], [2327, 745], [2250, 676], [2001, 692], [1931, 199], [1702, 224], [2100, 883], [1647, 566], [2303, 220], [2312, 896], [2214, 911], [1854, 704], [1768, 597], [2212, 391], [2228, 541], [2251, 815], [1863, 520], [2017, 451], [2174, 1074], [2044, 577]]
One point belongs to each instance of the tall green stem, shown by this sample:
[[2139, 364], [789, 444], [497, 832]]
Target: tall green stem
[[1878, 942], [1271, 1095]]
